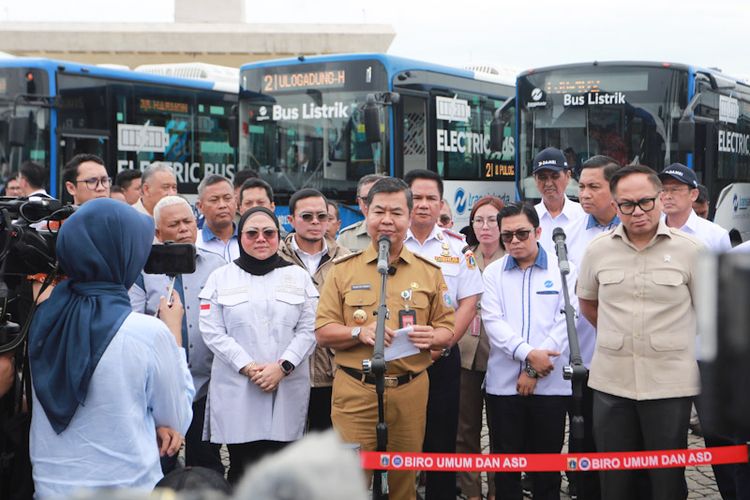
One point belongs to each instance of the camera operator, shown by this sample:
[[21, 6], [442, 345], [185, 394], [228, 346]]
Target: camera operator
[[87, 346]]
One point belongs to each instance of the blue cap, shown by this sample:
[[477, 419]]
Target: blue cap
[[680, 172], [550, 159]]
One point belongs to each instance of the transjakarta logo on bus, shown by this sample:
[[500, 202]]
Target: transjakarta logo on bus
[[463, 201], [308, 111], [452, 109], [536, 96]]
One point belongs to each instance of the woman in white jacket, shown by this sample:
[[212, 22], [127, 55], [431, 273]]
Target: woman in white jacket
[[257, 316]]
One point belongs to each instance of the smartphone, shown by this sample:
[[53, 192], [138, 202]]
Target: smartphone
[[171, 259]]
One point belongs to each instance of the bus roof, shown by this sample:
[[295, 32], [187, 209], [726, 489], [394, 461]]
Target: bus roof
[[53, 66], [649, 64], [393, 65]]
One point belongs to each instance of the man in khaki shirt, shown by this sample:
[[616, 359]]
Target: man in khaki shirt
[[346, 323], [355, 237], [637, 287]]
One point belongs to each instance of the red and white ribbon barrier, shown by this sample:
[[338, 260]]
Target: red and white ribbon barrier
[[548, 462]]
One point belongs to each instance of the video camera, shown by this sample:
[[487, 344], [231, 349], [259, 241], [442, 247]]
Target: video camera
[[28, 233]]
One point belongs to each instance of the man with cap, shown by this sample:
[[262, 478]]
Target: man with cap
[[679, 191], [552, 175]]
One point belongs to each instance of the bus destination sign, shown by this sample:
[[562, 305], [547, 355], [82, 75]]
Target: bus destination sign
[[304, 79]]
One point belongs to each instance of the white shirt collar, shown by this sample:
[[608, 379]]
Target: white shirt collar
[[298, 250]]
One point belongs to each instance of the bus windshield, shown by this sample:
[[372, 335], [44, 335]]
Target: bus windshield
[[314, 139], [24, 120], [628, 113]]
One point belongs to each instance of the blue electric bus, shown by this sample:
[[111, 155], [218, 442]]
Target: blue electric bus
[[301, 124], [53, 110], [642, 112]]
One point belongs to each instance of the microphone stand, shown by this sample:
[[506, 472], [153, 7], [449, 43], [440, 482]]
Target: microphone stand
[[377, 366], [575, 371]]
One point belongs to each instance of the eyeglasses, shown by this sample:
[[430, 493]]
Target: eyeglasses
[[675, 189], [268, 233], [309, 216], [645, 204], [521, 234], [445, 219], [94, 182], [490, 221]]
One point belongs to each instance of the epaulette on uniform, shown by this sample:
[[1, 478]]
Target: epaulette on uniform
[[458, 236], [339, 260], [350, 227], [426, 260]]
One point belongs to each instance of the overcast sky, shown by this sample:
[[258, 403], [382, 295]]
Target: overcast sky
[[518, 34]]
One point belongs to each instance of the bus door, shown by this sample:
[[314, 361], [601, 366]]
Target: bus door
[[412, 136]]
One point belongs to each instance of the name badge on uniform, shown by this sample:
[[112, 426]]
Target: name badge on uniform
[[407, 318]]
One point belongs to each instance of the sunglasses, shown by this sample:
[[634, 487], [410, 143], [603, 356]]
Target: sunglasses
[[309, 216], [268, 233], [521, 234]]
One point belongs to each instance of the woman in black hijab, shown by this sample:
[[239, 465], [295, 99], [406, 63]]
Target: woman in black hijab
[[257, 317]]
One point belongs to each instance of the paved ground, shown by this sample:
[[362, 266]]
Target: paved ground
[[700, 480]]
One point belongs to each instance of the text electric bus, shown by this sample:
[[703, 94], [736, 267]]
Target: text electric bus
[[302, 125], [52, 110], [648, 113]]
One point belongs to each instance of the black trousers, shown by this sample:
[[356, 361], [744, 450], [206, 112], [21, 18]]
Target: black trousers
[[622, 424], [442, 421], [527, 424], [587, 483], [319, 410], [242, 456], [198, 453]]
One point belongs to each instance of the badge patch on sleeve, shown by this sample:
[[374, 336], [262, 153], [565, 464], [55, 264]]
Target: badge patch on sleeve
[[471, 263]]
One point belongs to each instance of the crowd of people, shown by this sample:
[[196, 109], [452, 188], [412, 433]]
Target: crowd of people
[[264, 341]]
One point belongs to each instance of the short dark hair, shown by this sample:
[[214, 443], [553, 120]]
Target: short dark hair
[[519, 208], [368, 179], [70, 171], [335, 206], [303, 194], [242, 175], [210, 181], [126, 177], [627, 170], [420, 173], [257, 182], [608, 165], [702, 194], [34, 174], [390, 185], [116, 189]]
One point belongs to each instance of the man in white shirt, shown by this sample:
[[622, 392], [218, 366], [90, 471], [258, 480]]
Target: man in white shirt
[[218, 205], [527, 397], [445, 248], [679, 191], [596, 201], [552, 175], [158, 180], [31, 179]]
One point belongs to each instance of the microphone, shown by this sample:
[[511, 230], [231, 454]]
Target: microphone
[[384, 248], [558, 237]]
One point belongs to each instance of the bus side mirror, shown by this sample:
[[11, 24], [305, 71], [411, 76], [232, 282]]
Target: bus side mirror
[[234, 127], [19, 130], [686, 135], [372, 120]]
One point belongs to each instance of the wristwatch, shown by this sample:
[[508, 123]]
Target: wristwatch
[[286, 366], [530, 371], [356, 331]]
